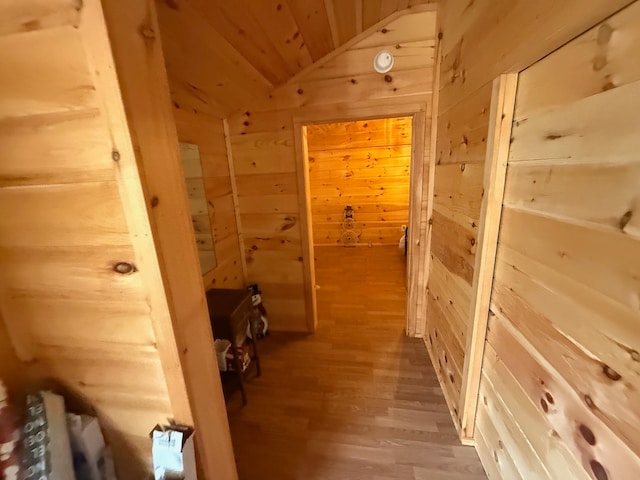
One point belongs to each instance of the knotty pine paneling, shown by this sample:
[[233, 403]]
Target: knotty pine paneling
[[78, 189], [481, 40], [561, 361], [63, 228], [263, 149], [344, 170], [208, 133]]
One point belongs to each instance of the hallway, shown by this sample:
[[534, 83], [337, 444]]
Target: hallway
[[357, 400]]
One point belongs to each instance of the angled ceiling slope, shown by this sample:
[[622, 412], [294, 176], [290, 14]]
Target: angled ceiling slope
[[221, 54]]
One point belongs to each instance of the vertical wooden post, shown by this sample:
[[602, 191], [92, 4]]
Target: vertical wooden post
[[495, 170], [306, 232], [185, 340], [236, 204], [416, 321], [429, 179]]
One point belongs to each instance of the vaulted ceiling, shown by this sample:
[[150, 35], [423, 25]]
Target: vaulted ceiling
[[220, 54]]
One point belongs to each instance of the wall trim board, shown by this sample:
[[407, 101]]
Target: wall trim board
[[503, 99], [429, 188], [102, 58], [302, 166], [429, 7], [234, 193], [419, 114], [416, 250], [152, 145]]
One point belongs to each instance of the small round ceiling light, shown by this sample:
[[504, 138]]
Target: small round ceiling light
[[383, 62]]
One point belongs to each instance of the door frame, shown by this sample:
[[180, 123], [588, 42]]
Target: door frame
[[420, 204]]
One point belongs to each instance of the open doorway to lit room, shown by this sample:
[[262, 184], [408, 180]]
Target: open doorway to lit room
[[359, 200]]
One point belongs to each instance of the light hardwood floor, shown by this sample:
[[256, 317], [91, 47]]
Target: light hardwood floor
[[356, 400]]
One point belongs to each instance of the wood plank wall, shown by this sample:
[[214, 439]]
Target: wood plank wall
[[86, 262], [63, 228], [561, 384], [480, 40], [263, 148], [207, 132], [365, 164]]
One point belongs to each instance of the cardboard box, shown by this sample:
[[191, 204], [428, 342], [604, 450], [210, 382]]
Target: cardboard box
[[173, 453]]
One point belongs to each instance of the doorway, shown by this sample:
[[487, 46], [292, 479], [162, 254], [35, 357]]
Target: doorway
[[358, 193]]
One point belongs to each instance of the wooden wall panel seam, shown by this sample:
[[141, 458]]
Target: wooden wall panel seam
[[499, 139]]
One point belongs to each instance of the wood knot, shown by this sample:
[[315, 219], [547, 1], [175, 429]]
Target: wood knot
[[388, 78], [384, 30], [463, 166], [473, 242], [124, 267], [115, 156], [300, 91], [587, 434], [611, 373], [625, 219], [354, 81], [589, 402], [604, 34], [154, 201], [598, 470], [147, 32], [544, 405], [549, 398]]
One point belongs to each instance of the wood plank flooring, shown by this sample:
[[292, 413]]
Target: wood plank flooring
[[356, 400]]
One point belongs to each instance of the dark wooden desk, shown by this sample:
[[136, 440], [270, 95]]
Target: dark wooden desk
[[230, 312]]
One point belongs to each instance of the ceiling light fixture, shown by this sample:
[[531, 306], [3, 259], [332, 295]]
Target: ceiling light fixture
[[383, 61]]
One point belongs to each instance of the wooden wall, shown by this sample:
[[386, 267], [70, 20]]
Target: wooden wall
[[64, 228], [207, 132], [263, 148], [92, 213], [480, 40], [561, 385], [364, 164]]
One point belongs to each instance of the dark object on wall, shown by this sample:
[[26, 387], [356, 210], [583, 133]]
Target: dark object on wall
[[406, 240]]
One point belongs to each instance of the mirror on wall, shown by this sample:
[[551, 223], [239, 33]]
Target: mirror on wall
[[198, 206]]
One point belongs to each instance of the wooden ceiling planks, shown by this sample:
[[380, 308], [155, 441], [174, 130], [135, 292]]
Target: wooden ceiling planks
[[251, 47], [313, 23], [216, 85]]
